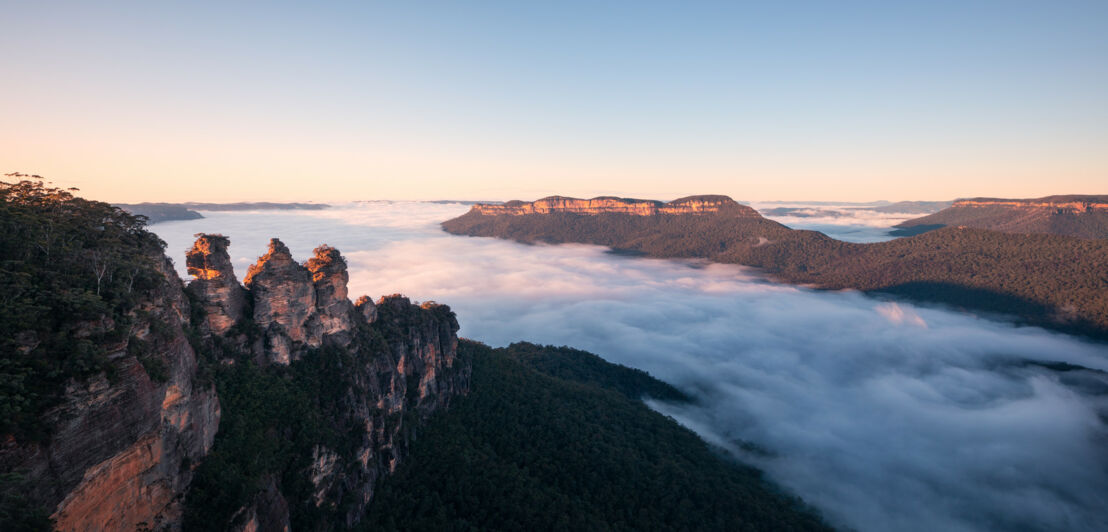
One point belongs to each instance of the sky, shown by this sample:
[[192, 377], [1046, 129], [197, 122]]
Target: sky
[[838, 101]]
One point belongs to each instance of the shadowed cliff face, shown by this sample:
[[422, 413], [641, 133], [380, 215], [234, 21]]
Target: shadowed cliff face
[[123, 446], [398, 365], [607, 204]]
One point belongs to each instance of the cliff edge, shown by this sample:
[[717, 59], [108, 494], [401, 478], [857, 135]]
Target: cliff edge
[[705, 204], [1082, 216]]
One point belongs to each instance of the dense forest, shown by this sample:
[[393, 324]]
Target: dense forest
[[558, 439], [71, 273], [273, 417], [1052, 281]]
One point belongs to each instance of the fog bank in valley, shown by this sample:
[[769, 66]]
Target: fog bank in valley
[[883, 415]]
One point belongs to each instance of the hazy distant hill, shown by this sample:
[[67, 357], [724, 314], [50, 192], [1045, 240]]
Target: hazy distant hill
[[164, 212], [913, 207], [844, 210], [1044, 279], [1073, 215], [160, 212]]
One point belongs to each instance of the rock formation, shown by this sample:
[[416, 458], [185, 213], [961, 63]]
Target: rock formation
[[404, 366], [283, 298], [609, 204], [223, 298], [122, 448], [367, 308], [333, 307], [109, 395]]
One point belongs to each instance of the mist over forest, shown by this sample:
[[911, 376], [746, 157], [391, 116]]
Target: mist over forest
[[881, 414]]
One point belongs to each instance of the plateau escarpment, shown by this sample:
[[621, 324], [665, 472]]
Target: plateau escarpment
[[1048, 280], [1074, 215], [611, 204]]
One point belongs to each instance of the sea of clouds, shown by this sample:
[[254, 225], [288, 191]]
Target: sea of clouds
[[882, 415], [848, 222]]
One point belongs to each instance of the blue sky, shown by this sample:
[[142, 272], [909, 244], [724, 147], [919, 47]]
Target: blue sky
[[777, 100]]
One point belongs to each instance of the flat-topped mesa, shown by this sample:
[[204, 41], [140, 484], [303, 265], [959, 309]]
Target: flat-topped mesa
[[609, 204], [215, 285], [1060, 204], [284, 298]]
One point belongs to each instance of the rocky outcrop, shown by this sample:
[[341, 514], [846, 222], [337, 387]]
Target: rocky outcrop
[[215, 286], [399, 365], [333, 306], [609, 204], [367, 308], [122, 447], [298, 307], [284, 298], [419, 374]]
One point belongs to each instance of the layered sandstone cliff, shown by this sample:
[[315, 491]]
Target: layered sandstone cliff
[[1058, 204], [123, 445], [609, 204]]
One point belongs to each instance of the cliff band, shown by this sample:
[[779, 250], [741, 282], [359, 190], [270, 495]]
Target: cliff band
[[610, 204]]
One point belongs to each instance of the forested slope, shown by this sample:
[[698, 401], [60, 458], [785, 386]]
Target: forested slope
[[1047, 280], [528, 450]]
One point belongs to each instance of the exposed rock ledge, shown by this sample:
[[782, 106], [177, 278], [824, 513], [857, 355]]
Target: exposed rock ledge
[[610, 204], [1071, 204]]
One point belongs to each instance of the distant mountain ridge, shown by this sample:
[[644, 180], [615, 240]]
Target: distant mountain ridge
[[1045, 280], [611, 204], [166, 212], [1082, 216]]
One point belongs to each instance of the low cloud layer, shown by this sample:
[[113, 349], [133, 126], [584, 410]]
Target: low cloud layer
[[851, 223], [883, 415]]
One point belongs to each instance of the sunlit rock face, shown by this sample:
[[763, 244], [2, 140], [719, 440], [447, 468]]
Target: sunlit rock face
[[298, 307], [215, 286], [404, 367], [1056, 204], [284, 298], [608, 204], [334, 310], [122, 449]]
